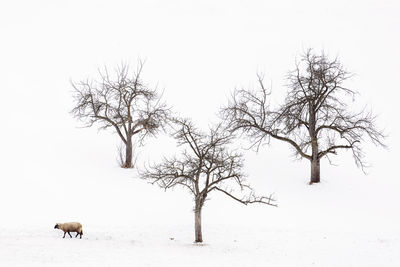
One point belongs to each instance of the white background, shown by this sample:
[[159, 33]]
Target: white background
[[197, 52]]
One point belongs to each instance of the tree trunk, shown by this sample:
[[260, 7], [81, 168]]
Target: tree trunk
[[315, 178], [315, 166], [315, 171], [197, 222], [197, 227], [128, 153]]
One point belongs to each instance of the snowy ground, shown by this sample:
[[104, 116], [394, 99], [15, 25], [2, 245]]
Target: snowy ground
[[226, 246], [129, 222]]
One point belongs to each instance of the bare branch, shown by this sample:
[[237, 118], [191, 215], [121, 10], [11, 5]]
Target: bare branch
[[250, 199]]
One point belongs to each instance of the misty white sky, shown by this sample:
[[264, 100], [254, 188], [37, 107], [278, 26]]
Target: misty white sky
[[198, 51]]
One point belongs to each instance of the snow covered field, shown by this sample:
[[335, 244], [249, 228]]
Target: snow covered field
[[198, 51], [340, 222], [226, 246]]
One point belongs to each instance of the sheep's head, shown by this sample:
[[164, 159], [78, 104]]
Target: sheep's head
[[56, 226]]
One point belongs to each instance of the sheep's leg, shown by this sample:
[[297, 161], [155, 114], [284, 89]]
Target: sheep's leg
[[77, 233], [64, 234], [69, 234]]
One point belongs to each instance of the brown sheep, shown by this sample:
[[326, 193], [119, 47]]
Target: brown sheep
[[70, 227]]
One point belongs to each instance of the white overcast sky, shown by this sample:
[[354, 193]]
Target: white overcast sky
[[198, 51]]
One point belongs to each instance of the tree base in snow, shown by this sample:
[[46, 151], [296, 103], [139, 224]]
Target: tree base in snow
[[126, 166]]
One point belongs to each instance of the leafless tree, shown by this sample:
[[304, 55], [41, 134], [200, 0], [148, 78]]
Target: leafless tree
[[123, 102], [206, 165], [316, 118]]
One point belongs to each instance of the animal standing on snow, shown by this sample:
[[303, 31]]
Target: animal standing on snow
[[70, 227]]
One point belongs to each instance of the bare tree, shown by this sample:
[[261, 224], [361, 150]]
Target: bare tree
[[206, 165], [123, 102], [316, 118]]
